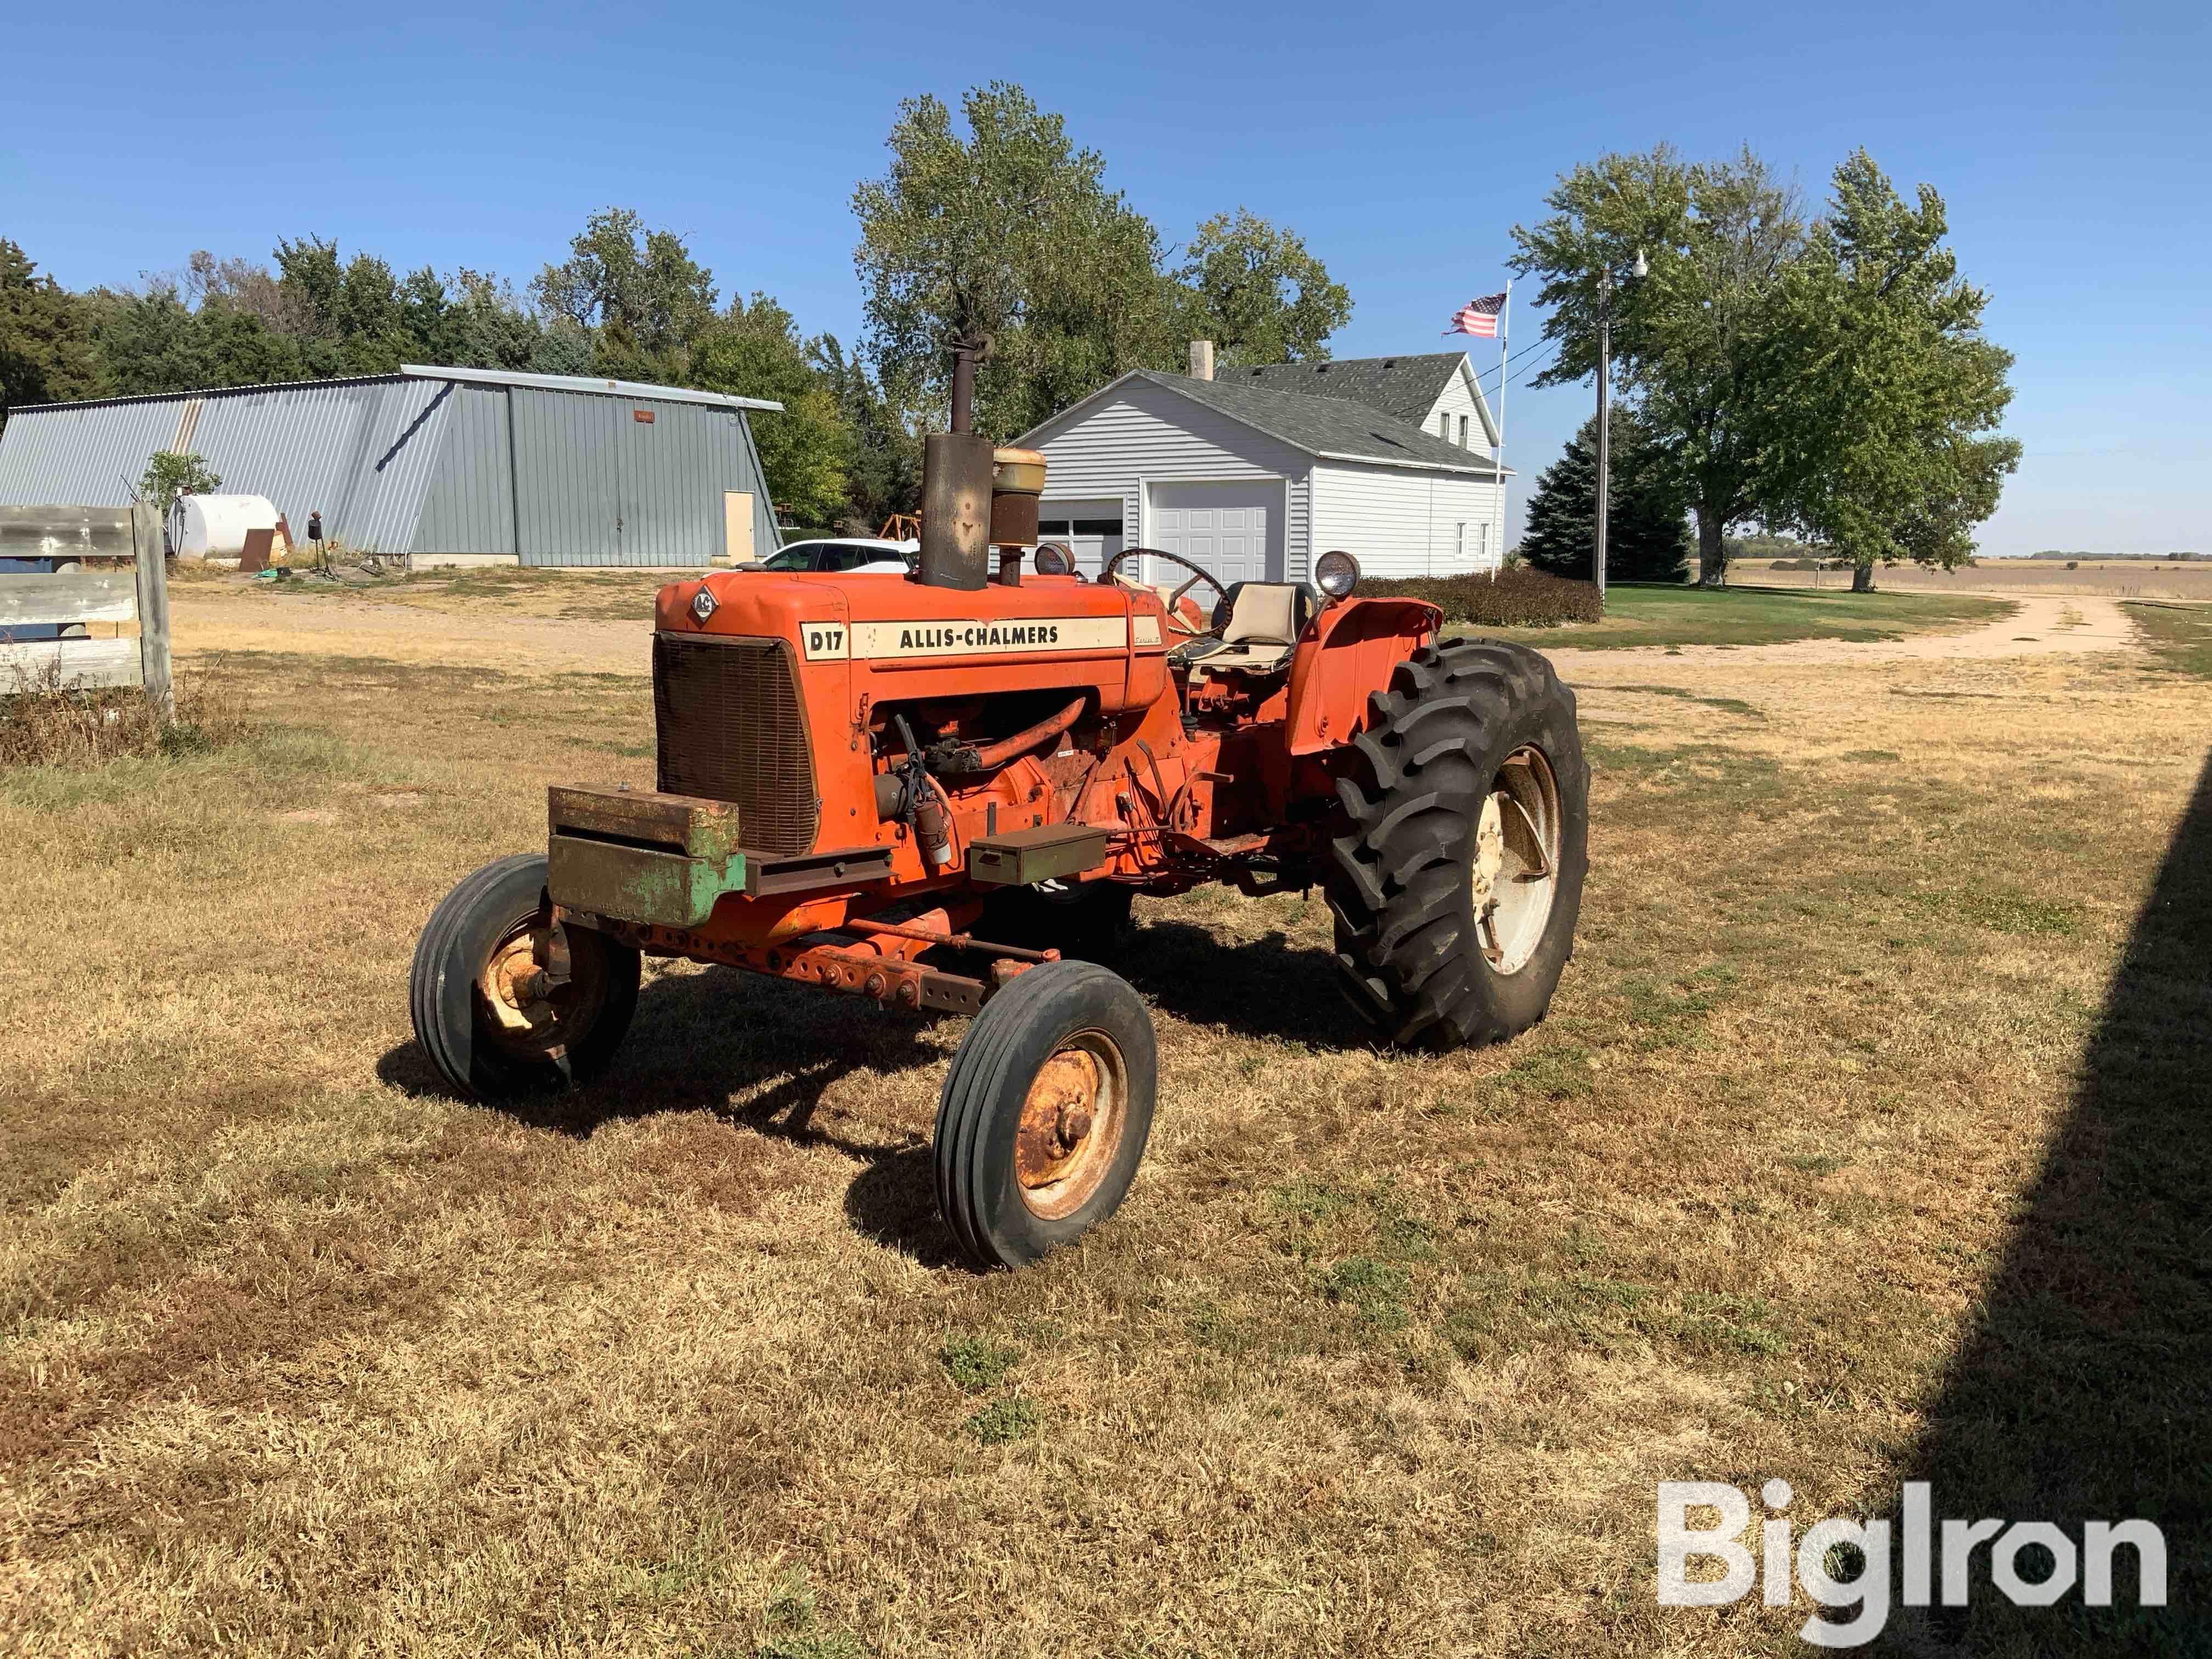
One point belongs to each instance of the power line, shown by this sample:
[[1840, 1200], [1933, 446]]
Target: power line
[[1532, 368], [1510, 361]]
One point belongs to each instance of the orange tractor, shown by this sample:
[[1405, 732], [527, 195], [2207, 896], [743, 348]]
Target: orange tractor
[[940, 791]]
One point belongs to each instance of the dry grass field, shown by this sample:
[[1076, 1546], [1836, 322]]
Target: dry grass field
[[1867, 1141], [2111, 578]]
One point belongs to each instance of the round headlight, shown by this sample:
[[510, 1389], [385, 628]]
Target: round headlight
[[1336, 574], [1054, 560]]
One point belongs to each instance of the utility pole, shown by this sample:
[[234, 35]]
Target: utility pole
[[1641, 269], [1604, 429]]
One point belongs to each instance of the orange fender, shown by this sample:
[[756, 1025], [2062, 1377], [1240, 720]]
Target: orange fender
[[1355, 646]]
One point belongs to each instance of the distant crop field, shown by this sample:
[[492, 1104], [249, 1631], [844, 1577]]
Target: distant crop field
[[1864, 1143]]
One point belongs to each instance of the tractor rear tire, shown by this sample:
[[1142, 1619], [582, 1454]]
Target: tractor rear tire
[[1456, 889], [1045, 1113], [488, 1022]]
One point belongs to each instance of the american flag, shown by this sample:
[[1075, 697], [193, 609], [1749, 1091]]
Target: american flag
[[1479, 317]]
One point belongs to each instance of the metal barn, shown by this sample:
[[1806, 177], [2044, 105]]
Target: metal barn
[[451, 465]]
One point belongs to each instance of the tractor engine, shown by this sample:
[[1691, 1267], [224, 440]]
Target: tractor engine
[[805, 702]]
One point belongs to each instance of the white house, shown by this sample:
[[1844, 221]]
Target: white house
[[1255, 472]]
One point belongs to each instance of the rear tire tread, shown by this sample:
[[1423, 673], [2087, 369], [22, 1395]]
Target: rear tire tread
[[1398, 882]]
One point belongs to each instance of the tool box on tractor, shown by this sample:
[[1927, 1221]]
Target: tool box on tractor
[[939, 792]]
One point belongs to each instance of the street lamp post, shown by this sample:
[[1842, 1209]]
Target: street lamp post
[[1604, 424], [1604, 409]]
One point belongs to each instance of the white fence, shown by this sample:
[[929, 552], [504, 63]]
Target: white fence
[[63, 568]]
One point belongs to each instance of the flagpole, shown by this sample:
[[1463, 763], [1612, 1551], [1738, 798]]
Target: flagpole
[[1504, 318]]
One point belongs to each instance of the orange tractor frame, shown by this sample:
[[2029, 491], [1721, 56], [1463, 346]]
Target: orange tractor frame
[[941, 791]]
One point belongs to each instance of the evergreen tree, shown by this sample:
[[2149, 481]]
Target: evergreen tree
[[1647, 527], [46, 337]]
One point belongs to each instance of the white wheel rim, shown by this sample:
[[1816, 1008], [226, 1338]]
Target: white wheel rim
[[1515, 860]]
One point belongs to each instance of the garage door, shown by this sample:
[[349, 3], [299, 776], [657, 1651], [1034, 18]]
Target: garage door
[[1091, 530], [1231, 530]]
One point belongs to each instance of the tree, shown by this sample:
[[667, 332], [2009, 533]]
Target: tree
[[148, 343], [641, 292], [1257, 294], [370, 319], [249, 287], [1881, 449], [46, 337], [1693, 343], [485, 326], [754, 351], [1007, 239], [238, 348], [171, 473], [1647, 526], [311, 279], [883, 457]]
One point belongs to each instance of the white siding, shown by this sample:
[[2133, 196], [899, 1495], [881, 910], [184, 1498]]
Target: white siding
[[1455, 400], [1399, 523], [1145, 434]]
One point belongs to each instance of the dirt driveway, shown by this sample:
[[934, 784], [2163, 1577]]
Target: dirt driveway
[[330, 624], [2044, 625]]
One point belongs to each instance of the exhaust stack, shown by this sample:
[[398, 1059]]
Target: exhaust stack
[[973, 496], [956, 510]]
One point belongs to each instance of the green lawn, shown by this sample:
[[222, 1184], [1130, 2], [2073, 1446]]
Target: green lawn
[[2180, 635], [1651, 615]]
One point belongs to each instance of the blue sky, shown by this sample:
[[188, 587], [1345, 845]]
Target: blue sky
[[2070, 142]]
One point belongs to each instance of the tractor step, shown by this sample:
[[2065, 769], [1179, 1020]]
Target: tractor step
[[1047, 851]]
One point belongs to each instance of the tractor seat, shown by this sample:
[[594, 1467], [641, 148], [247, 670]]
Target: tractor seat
[[1262, 627]]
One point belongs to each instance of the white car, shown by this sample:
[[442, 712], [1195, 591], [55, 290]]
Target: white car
[[853, 555]]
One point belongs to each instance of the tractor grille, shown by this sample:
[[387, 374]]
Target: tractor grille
[[730, 726]]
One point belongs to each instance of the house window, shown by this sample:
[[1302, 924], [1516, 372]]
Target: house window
[[1462, 432], [1482, 543], [1459, 543], [1444, 428]]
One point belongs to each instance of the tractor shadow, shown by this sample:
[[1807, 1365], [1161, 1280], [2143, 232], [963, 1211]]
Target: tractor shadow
[[1263, 987], [759, 1055], [2084, 1390]]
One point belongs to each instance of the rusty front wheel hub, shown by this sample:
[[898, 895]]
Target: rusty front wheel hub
[[540, 991], [1071, 1125]]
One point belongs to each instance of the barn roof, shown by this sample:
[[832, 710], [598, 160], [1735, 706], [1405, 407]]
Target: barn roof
[[672, 394]]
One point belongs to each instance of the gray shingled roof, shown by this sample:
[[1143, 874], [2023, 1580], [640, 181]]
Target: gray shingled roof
[[1335, 427], [1405, 387]]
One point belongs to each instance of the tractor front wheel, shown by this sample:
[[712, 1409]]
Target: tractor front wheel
[[1045, 1113], [505, 1001], [1456, 890]]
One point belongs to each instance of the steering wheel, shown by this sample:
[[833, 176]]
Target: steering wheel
[[1198, 574]]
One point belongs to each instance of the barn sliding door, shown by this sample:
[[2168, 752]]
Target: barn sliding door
[[568, 477]]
